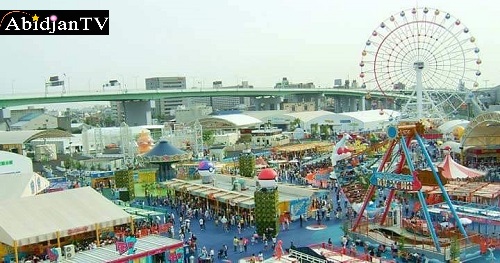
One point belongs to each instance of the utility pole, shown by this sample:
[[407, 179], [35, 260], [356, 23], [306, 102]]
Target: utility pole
[[486, 83]]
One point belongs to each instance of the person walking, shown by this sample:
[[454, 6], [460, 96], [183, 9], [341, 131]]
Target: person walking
[[245, 244], [202, 224], [235, 244], [241, 245]]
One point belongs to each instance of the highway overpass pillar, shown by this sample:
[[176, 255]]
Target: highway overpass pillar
[[137, 113], [353, 103]]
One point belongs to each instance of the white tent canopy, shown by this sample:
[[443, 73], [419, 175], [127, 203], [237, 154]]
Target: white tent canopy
[[38, 218], [17, 178], [16, 185], [14, 163], [448, 126]]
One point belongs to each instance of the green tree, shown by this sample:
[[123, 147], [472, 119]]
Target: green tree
[[345, 228], [160, 117], [208, 137], [454, 250], [295, 124], [68, 163], [109, 122], [245, 138], [402, 250], [247, 164], [315, 129]]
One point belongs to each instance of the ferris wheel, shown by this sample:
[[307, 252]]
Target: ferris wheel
[[425, 54]]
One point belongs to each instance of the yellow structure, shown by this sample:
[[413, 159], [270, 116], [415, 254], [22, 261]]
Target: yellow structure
[[147, 176]]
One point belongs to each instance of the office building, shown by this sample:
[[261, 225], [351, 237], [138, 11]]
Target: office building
[[165, 108]]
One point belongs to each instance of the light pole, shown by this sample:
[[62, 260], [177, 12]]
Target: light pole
[[122, 83], [12, 84]]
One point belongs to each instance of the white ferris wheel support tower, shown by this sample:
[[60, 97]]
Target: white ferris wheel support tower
[[419, 89]]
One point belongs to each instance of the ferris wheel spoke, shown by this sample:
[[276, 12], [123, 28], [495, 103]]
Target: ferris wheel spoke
[[417, 36], [446, 77], [457, 50], [438, 40], [408, 73], [456, 73], [410, 45], [392, 44], [452, 56], [443, 45], [433, 84], [400, 39], [446, 51]]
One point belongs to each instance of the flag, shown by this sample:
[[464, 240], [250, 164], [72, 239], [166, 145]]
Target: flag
[[53, 254], [121, 247]]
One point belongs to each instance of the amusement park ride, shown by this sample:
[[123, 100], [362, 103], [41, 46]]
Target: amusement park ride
[[340, 152], [389, 176], [415, 50]]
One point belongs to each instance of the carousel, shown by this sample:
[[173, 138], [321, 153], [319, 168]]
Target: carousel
[[164, 155]]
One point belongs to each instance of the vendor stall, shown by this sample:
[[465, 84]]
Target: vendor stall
[[151, 248], [25, 225]]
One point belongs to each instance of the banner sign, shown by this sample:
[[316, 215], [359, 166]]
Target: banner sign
[[298, 207], [399, 182], [55, 83], [126, 246]]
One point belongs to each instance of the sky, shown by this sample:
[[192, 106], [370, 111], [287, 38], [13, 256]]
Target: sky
[[259, 41]]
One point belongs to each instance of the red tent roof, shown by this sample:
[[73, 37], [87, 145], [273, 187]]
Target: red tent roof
[[453, 170]]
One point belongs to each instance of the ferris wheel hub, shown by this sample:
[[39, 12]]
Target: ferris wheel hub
[[418, 65]]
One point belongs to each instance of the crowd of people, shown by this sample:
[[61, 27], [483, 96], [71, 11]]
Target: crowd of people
[[186, 210]]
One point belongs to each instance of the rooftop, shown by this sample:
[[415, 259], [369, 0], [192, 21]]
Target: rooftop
[[30, 116]]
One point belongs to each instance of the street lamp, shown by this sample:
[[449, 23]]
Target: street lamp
[[462, 152]]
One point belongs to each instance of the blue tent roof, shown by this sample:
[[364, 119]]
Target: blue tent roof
[[164, 148], [29, 116]]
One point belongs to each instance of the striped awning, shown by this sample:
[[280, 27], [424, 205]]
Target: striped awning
[[207, 192], [242, 198], [194, 188], [228, 197], [176, 184], [149, 245], [248, 204], [220, 194]]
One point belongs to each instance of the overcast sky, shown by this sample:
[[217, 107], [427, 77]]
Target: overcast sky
[[260, 41]]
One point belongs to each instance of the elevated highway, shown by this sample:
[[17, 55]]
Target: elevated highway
[[144, 95]]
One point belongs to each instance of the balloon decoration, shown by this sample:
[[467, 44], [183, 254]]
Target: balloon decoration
[[267, 178], [144, 142], [458, 132], [206, 169]]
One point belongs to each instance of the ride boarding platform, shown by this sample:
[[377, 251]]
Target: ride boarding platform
[[323, 253]]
